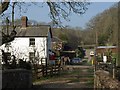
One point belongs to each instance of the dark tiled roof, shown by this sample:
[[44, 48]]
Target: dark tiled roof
[[33, 31]]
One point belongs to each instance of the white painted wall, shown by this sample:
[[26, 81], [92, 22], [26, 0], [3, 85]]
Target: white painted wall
[[20, 47], [41, 48]]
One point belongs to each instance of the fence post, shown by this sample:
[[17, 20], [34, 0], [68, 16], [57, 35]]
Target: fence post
[[114, 64], [59, 69], [35, 69], [51, 70], [43, 71], [46, 71], [55, 70], [113, 72], [46, 67]]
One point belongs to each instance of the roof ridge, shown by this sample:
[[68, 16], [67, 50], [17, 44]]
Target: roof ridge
[[33, 31]]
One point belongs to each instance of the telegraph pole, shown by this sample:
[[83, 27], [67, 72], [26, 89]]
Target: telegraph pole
[[96, 36], [118, 61], [95, 58], [95, 53]]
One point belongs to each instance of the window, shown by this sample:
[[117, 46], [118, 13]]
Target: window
[[32, 41], [31, 56]]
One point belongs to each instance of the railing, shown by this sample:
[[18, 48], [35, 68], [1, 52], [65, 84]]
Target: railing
[[108, 66], [106, 75], [104, 66], [103, 81], [43, 71], [118, 72]]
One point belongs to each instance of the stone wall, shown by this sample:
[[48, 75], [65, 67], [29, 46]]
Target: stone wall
[[16, 78], [103, 79]]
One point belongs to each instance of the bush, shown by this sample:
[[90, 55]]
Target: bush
[[24, 65]]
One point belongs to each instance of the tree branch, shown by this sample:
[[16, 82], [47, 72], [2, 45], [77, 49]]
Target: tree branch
[[4, 5]]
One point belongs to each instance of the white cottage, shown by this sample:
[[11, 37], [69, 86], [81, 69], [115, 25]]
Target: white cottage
[[31, 43]]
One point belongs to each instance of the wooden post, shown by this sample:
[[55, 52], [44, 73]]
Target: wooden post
[[51, 70], [46, 66], [43, 70], [118, 60], [59, 69], [113, 72], [55, 69], [114, 65], [35, 71]]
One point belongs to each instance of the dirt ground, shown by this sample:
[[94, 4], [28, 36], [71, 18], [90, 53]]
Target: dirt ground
[[73, 77]]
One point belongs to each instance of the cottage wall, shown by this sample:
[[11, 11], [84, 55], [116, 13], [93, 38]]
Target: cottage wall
[[20, 48]]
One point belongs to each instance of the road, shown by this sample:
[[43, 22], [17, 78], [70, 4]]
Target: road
[[73, 77]]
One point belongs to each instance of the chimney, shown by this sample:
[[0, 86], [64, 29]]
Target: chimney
[[24, 20]]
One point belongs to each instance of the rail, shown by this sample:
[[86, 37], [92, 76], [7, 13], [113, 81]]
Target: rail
[[44, 71]]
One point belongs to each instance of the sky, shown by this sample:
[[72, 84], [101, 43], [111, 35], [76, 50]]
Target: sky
[[40, 14]]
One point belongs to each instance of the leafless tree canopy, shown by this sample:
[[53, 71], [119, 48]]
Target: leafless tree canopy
[[57, 10], [60, 10], [4, 5]]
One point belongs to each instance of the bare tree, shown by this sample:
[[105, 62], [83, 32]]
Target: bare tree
[[58, 10], [4, 6]]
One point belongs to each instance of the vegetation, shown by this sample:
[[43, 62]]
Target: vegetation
[[12, 63], [67, 36], [80, 52], [4, 5], [106, 32], [98, 30], [105, 25], [57, 10]]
